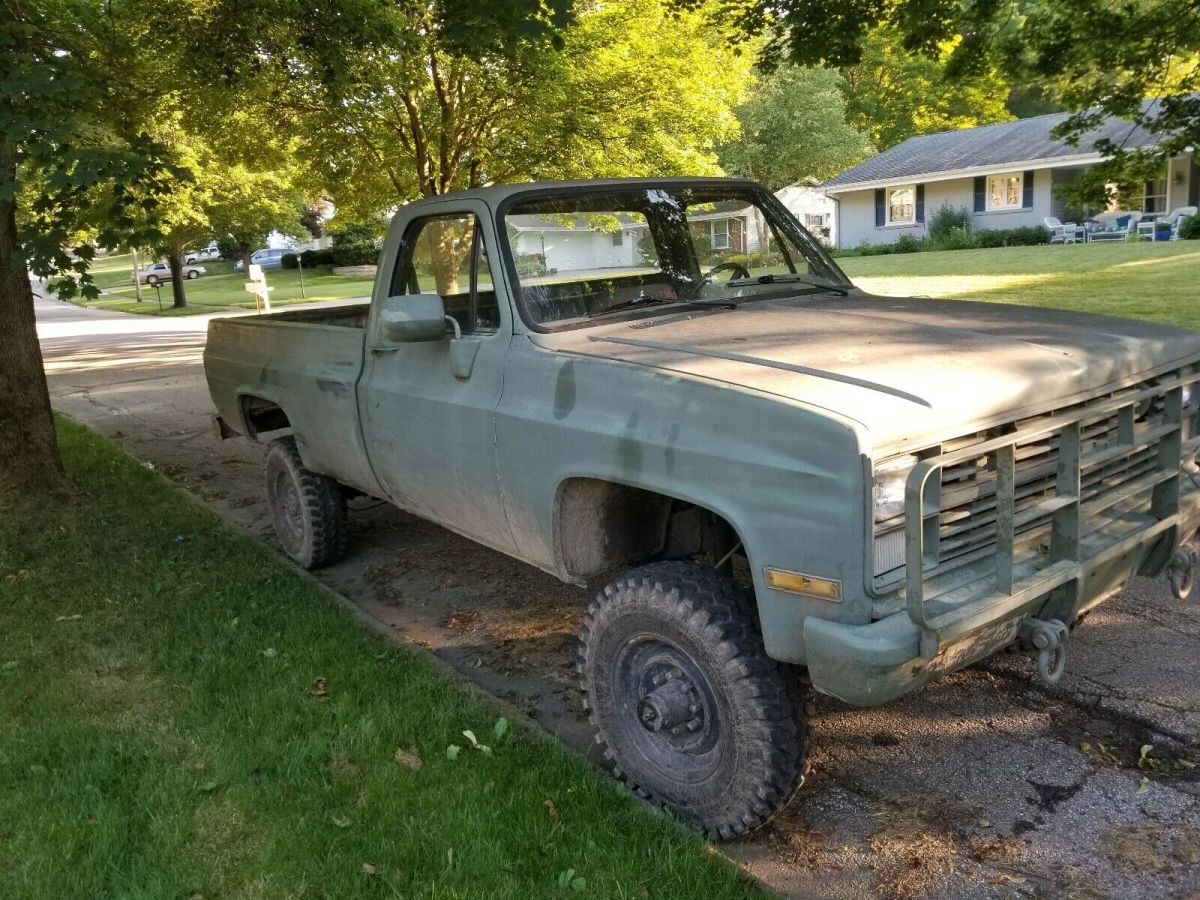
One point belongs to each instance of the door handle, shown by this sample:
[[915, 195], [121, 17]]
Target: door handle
[[384, 348]]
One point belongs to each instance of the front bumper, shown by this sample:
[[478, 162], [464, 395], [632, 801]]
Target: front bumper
[[1086, 552]]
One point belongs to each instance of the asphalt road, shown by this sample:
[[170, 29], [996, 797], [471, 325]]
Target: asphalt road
[[984, 784]]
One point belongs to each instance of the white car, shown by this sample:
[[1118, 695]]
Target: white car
[[158, 272], [209, 252]]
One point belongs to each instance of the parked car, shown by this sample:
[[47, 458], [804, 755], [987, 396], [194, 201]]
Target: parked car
[[268, 258], [790, 472], [158, 272], [204, 253]]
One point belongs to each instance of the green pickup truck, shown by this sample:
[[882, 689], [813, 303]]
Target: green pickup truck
[[670, 384]]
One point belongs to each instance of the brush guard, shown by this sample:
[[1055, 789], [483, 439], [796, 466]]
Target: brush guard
[[1047, 581]]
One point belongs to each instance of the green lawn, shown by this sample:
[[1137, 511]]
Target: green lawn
[[1159, 281], [220, 288], [182, 715]]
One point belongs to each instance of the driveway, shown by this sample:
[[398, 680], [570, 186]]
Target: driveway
[[984, 784]]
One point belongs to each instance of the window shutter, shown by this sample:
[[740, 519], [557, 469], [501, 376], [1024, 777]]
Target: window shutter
[[880, 217], [980, 193], [1027, 190], [920, 204]]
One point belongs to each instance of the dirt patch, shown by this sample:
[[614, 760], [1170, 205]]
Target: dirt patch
[[1152, 847], [917, 841]]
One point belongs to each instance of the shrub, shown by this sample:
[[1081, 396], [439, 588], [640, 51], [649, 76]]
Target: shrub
[[1026, 236], [312, 258], [355, 246], [948, 224], [955, 239], [908, 243], [1189, 228], [290, 260]]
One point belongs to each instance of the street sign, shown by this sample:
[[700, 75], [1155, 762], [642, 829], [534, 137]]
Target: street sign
[[255, 272]]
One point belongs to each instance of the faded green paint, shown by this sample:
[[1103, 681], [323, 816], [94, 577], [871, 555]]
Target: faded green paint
[[771, 415]]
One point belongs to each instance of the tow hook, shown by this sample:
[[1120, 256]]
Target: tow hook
[[1182, 573], [1047, 641]]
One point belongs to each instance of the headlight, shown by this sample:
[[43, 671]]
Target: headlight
[[890, 477]]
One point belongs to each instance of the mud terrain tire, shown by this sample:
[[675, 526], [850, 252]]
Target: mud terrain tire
[[308, 510], [689, 708]]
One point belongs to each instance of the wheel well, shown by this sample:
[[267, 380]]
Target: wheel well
[[601, 525], [262, 416]]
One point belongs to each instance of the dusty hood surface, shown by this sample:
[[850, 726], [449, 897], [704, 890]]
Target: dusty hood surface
[[911, 371]]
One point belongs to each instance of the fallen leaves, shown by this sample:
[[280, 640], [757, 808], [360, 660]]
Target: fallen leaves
[[552, 809], [408, 758], [319, 689]]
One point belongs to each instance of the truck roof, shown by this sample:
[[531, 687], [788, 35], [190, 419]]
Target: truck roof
[[496, 193]]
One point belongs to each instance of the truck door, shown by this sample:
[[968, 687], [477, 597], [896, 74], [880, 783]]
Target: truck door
[[429, 430]]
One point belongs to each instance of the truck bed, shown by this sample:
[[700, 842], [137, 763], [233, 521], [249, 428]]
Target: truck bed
[[307, 362]]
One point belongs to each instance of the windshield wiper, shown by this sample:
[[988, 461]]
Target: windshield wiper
[[655, 301], [792, 279]]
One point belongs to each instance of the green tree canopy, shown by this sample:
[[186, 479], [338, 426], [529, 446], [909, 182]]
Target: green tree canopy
[[402, 112], [1096, 58], [893, 94], [794, 127]]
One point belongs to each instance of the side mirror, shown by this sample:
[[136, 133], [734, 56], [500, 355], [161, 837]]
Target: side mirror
[[413, 317]]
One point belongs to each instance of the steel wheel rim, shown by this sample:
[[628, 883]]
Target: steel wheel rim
[[289, 513], [683, 747]]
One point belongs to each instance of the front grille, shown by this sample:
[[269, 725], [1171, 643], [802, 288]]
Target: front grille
[[966, 499]]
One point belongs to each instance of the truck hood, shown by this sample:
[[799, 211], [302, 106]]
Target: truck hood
[[911, 371]]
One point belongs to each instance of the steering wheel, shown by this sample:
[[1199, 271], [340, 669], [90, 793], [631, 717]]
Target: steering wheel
[[737, 268]]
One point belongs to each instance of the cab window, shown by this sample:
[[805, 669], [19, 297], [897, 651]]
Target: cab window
[[445, 255]]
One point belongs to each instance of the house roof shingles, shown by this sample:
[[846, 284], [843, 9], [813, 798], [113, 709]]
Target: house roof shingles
[[988, 146]]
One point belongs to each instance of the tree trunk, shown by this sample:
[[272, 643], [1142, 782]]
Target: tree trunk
[[175, 261], [244, 249], [29, 458]]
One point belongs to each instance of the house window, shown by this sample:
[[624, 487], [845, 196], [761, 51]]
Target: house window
[[718, 233], [1154, 198], [902, 205], [618, 239], [814, 221], [1004, 191]]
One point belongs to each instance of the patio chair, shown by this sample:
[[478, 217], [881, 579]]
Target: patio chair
[[1176, 219], [1062, 233], [1115, 225]]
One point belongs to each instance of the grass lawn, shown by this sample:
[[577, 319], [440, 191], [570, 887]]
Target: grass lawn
[[182, 715], [1159, 281], [220, 288]]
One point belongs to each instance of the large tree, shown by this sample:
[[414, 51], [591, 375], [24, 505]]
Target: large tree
[[398, 109], [794, 127], [70, 140], [893, 94]]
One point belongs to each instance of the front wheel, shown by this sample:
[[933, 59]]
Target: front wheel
[[690, 709], [308, 510], [152, 281]]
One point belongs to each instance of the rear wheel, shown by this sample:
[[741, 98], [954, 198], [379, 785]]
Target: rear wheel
[[308, 510], [192, 274], [692, 712]]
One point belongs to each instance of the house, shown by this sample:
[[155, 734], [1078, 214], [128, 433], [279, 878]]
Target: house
[[812, 207], [1005, 175]]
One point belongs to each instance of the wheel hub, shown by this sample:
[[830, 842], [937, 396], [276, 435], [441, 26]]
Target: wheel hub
[[670, 703]]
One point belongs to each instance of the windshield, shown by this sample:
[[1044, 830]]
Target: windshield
[[584, 255]]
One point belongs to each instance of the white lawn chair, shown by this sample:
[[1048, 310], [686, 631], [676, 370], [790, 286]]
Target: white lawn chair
[[1061, 233], [1176, 218]]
